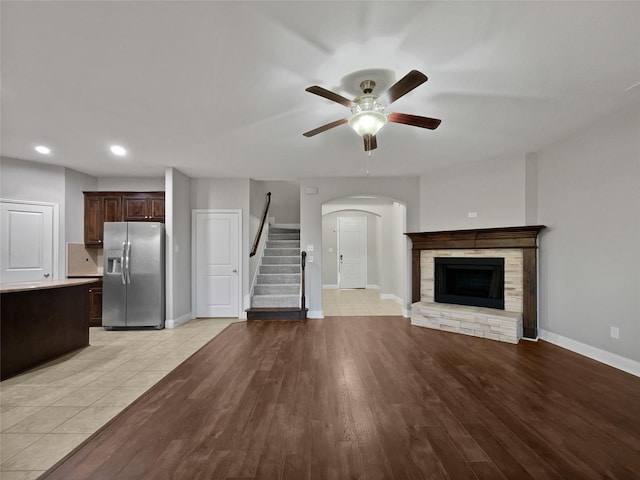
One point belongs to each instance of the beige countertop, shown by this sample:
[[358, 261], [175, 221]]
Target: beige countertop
[[26, 286]]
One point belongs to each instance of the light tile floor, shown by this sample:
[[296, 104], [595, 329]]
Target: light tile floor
[[357, 302], [46, 412]]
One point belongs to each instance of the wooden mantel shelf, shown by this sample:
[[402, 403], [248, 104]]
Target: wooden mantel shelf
[[507, 237], [524, 238]]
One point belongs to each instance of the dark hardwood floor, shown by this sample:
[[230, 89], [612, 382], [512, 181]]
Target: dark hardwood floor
[[371, 398]]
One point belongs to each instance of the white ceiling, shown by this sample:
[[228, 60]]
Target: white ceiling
[[216, 89]]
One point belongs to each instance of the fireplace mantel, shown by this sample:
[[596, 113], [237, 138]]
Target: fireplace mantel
[[524, 238]]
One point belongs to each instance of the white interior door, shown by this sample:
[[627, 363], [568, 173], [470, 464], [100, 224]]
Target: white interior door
[[352, 252], [217, 261], [27, 242]]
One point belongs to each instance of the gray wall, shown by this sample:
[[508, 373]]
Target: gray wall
[[494, 189], [257, 200], [37, 182], [75, 184], [402, 189], [178, 248], [589, 198], [131, 184], [227, 193], [285, 201]]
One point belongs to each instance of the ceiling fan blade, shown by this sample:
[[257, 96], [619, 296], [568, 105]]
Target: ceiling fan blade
[[324, 128], [370, 143], [323, 92], [403, 86], [414, 120]]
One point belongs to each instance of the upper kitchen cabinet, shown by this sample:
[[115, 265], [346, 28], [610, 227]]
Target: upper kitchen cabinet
[[143, 207], [100, 207]]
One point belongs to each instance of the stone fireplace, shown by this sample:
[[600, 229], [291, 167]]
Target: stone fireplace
[[508, 319]]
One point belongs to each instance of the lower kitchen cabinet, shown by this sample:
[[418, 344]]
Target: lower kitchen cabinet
[[95, 305]]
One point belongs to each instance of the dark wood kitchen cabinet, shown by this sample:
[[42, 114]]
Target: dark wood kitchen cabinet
[[95, 304], [100, 207], [143, 207]]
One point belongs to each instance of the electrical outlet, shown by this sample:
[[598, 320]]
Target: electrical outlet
[[615, 333], [309, 258], [473, 214], [309, 248]]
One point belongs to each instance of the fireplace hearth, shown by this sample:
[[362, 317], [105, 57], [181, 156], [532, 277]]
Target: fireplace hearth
[[476, 282]]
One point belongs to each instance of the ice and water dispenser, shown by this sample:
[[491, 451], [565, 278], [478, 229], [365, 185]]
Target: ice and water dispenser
[[114, 262]]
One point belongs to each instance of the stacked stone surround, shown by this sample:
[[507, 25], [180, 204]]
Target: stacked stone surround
[[503, 325], [477, 321]]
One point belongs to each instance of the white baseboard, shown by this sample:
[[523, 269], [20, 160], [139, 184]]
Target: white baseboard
[[373, 287], [602, 356], [330, 287], [176, 322], [406, 312], [315, 314], [391, 296]]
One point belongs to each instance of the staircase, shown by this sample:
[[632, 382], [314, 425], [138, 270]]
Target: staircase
[[276, 293]]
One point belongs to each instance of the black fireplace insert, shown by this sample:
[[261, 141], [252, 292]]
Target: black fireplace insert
[[470, 281]]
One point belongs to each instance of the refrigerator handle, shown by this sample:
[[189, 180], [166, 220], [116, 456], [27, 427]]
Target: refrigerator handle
[[122, 264], [128, 262]]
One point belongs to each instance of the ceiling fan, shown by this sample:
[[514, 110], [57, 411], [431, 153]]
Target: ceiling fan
[[367, 110]]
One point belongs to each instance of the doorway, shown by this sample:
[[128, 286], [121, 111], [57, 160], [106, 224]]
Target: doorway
[[28, 241], [217, 262], [352, 252]]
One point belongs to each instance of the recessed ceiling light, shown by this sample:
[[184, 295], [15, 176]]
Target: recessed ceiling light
[[43, 150], [118, 150]]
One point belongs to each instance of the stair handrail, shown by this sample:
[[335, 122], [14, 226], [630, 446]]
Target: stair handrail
[[254, 249], [303, 261]]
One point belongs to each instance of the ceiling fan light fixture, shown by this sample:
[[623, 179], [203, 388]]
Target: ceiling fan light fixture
[[368, 122]]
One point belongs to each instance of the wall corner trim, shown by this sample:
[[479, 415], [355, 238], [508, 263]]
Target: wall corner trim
[[176, 322], [315, 314]]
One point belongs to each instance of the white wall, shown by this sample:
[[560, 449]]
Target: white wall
[[494, 189], [227, 193], [178, 247], [131, 184], [589, 199], [402, 189]]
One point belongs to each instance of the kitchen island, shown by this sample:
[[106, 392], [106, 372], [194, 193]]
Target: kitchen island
[[41, 321]]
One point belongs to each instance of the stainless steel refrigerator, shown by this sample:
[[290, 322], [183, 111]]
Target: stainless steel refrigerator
[[133, 275]]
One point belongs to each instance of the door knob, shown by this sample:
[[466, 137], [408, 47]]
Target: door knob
[[235, 271], [46, 275]]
